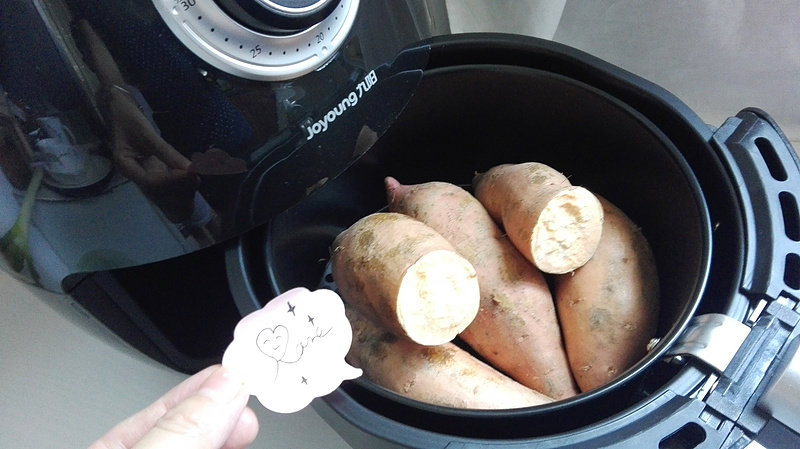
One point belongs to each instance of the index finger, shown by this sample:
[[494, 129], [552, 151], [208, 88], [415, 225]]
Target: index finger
[[166, 152]]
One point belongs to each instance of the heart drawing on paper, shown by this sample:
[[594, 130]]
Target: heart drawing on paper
[[273, 342], [301, 340]]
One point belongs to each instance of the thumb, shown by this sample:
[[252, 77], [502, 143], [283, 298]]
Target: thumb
[[204, 420]]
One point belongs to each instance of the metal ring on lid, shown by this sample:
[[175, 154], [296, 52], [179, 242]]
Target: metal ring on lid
[[280, 17], [295, 6]]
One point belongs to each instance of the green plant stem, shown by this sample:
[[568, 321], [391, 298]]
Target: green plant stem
[[14, 244]]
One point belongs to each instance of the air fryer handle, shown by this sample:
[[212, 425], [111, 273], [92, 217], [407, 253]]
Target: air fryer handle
[[765, 171]]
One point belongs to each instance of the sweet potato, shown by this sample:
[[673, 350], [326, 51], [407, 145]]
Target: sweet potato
[[444, 375], [516, 329], [406, 276], [554, 224], [608, 308]]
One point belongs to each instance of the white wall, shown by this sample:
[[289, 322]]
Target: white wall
[[717, 56]]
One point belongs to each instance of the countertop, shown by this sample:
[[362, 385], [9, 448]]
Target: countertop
[[66, 380]]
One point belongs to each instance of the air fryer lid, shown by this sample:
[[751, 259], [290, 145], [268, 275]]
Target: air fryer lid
[[183, 124], [467, 116]]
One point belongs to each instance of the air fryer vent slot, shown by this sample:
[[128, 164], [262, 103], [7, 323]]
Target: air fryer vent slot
[[687, 437], [771, 158], [791, 222], [791, 276]]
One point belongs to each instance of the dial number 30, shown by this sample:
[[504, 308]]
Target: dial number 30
[[185, 4]]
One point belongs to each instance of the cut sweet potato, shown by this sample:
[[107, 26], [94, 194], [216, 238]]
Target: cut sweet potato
[[516, 329], [554, 224], [406, 276]]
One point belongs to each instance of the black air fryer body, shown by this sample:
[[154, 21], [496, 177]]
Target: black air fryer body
[[718, 206]]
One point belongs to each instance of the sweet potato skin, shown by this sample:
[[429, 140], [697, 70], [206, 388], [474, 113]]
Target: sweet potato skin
[[372, 262], [496, 179], [516, 329], [443, 375], [554, 224], [608, 308]]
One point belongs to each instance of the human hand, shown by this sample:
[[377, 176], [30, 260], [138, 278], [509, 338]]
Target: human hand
[[206, 411], [138, 149], [144, 157]]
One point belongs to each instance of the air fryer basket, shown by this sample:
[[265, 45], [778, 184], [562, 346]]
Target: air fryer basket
[[468, 119], [485, 101]]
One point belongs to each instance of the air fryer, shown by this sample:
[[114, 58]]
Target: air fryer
[[294, 160]]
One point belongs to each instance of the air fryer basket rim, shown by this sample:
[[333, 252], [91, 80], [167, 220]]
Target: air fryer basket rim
[[689, 305]]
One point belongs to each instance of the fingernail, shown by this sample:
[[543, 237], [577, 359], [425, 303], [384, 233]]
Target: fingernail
[[223, 385]]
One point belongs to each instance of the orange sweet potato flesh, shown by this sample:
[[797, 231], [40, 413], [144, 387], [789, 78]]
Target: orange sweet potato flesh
[[516, 329], [406, 276], [608, 308], [443, 375], [554, 224]]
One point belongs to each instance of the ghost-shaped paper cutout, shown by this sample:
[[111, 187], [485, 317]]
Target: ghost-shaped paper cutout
[[292, 350]]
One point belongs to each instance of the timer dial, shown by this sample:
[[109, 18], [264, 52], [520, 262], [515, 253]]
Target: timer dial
[[267, 40], [279, 16]]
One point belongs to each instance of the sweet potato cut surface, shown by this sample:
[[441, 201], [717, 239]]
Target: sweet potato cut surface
[[608, 308], [554, 224], [406, 276], [516, 329], [443, 375]]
